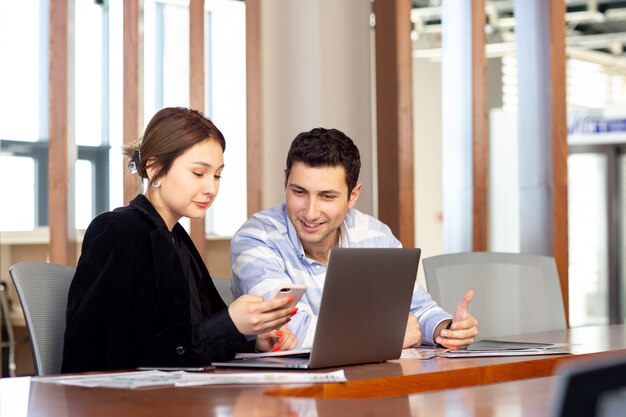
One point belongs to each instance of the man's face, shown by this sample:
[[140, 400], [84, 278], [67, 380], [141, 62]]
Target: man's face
[[317, 200]]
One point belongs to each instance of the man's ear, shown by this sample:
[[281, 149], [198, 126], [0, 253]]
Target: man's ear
[[285, 173], [354, 195]]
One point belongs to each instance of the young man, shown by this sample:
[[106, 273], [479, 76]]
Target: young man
[[290, 243]]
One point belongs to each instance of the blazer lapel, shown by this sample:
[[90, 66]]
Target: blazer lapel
[[171, 285]]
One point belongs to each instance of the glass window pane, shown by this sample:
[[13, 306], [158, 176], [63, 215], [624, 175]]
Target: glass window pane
[[166, 57], [20, 81], [588, 251], [115, 92], [226, 105], [175, 59], [88, 73], [18, 211], [84, 193], [166, 74]]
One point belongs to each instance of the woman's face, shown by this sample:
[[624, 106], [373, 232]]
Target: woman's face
[[191, 184]]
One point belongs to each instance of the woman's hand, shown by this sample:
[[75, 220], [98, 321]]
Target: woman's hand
[[281, 339], [252, 315]]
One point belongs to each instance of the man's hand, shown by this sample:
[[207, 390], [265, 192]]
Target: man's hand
[[281, 339], [413, 334], [464, 326], [252, 315]]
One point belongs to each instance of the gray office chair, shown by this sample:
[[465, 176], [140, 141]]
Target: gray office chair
[[42, 289], [5, 314], [515, 293], [223, 287]]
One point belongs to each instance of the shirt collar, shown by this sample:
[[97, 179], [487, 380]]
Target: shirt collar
[[344, 242]]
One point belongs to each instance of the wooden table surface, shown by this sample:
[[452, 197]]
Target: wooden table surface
[[404, 377], [396, 388], [22, 397]]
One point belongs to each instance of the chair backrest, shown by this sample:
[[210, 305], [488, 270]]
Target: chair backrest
[[515, 293], [223, 287], [42, 289]]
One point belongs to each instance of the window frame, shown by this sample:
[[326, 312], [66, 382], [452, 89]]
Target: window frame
[[38, 151]]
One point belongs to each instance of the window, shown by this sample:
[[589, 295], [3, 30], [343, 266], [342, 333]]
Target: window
[[18, 211], [588, 249], [166, 75], [24, 82], [98, 101], [24, 130], [226, 106]]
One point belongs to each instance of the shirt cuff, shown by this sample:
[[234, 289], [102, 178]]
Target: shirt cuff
[[429, 324]]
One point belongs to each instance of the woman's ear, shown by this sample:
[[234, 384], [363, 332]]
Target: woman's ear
[[152, 168]]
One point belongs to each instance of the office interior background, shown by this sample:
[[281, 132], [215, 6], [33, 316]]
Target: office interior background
[[319, 68]]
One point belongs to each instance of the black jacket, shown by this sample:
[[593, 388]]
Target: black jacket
[[128, 303]]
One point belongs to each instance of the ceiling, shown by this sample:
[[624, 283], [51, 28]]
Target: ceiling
[[596, 29]]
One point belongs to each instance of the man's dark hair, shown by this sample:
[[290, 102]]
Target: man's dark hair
[[326, 148]]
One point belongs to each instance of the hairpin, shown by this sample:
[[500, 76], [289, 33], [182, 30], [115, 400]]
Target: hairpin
[[133, 164]]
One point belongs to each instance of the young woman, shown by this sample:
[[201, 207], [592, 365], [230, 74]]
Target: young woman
[[141, 295]]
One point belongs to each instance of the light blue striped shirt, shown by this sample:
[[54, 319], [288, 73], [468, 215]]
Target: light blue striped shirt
[[266, 253]]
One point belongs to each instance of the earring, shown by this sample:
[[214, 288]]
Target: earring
[[156, 183]]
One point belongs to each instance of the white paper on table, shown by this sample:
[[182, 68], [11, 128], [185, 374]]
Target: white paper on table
[[189, 379], [131, 380], [492, 353], [428, 352]]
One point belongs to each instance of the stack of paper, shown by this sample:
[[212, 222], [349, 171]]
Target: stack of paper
[[142, 379], [486, 348], [261, 378]]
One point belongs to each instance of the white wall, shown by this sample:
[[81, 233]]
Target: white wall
[[315, 73], [427, 156]]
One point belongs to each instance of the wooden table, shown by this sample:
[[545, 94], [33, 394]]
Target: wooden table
[[21, 397], [395, 388], [406, 377]]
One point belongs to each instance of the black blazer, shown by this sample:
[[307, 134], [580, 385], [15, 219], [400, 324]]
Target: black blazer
[[128, 303]]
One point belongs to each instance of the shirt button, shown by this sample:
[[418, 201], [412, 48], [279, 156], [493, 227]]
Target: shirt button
[[180, 350], [317, 267]]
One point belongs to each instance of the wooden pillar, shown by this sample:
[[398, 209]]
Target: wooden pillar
[[132, 89], [253, 106], [62, 149], [480, 131], [394, 118], [559, 145], [197, 96]]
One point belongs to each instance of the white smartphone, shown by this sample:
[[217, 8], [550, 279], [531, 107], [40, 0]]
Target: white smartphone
[[286, 290]]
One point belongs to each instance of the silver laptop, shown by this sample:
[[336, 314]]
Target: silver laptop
[[363, 312]]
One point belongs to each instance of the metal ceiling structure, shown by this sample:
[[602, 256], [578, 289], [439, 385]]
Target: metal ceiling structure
[[596, 30]]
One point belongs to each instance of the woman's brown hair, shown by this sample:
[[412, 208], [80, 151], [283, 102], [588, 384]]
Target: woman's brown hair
[[171, 132]]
